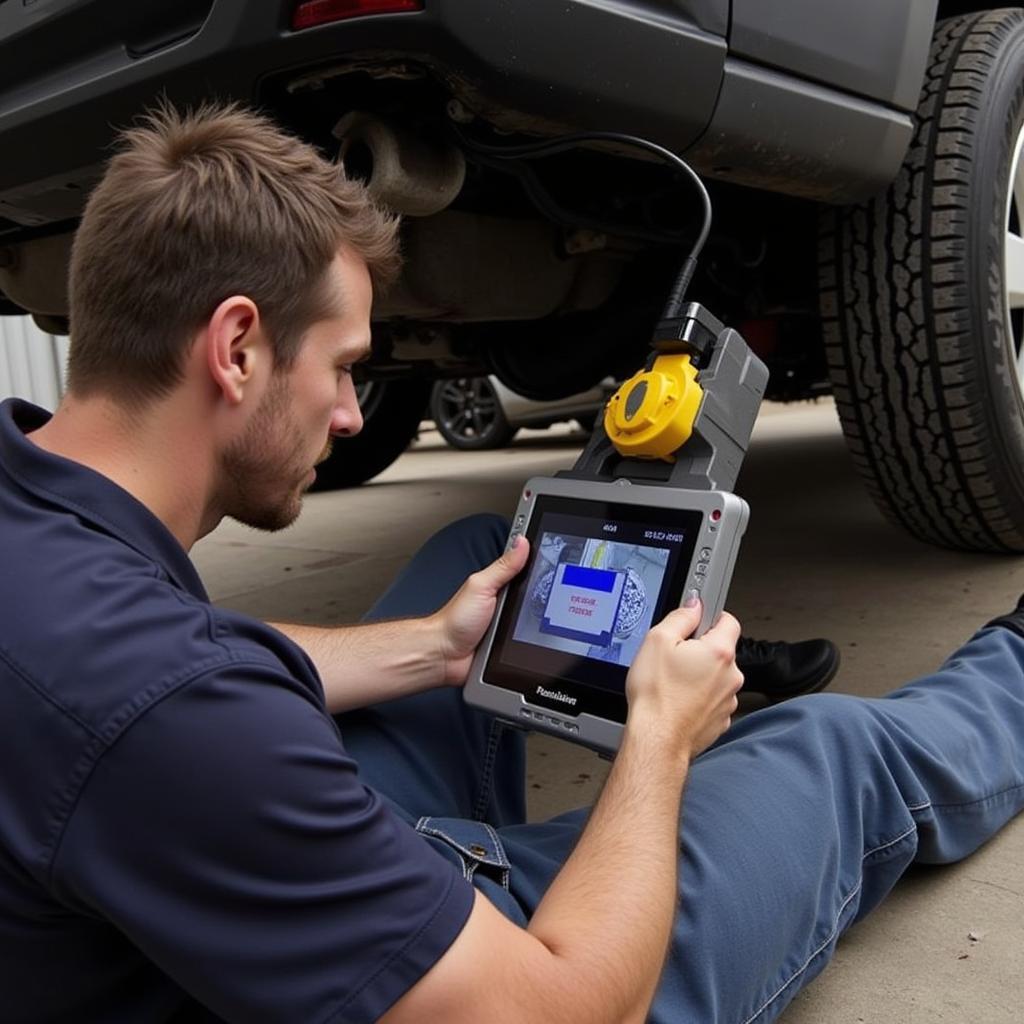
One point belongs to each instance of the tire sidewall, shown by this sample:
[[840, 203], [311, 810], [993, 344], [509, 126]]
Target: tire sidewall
[[392, 410], [991, 332]]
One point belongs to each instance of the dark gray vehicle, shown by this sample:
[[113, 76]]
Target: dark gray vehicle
[[864, 160]]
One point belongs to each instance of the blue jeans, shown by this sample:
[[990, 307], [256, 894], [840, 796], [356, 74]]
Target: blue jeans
[[795, 824]]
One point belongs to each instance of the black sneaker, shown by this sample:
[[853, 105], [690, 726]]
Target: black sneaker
[[780, 670], [1013, 621]]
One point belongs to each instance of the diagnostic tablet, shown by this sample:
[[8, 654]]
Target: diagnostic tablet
[[607, 561]]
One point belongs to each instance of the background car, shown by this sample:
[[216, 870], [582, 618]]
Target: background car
[[469, 413], [480, 412]]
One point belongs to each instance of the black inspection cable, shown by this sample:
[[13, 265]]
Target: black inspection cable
[[565, 142]]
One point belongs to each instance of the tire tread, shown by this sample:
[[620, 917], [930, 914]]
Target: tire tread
[[910, 396]]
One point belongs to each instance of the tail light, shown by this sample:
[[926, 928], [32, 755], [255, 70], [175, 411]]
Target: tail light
[[320, 12]]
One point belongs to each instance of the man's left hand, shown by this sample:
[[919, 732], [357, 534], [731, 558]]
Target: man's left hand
[[463, 621]]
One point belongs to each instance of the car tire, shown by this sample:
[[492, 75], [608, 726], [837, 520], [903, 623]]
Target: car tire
[[392, 411], [923, 335], [468, 414]]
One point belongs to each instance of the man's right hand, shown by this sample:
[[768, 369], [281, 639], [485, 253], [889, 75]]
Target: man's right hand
[[681, 690]]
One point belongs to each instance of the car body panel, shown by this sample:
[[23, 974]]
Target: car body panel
[[521, 412], [877, 49]]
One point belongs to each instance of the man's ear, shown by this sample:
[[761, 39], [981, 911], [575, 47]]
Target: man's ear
[[236, 349]]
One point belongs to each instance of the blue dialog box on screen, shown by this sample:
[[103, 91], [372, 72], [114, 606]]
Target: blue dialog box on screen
[[583, 604]]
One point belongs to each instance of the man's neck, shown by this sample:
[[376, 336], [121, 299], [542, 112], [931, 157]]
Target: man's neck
[[157, 456]]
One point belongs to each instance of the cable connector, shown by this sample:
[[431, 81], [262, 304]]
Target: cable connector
[[695, 332]]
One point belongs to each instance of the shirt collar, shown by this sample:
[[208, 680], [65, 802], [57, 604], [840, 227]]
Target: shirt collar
[[88, 494]]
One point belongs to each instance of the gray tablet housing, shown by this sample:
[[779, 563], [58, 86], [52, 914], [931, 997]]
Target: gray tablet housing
[[535, 671]]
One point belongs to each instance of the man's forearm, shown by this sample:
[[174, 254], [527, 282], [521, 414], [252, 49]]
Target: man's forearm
[[377, 661], [617, 893]]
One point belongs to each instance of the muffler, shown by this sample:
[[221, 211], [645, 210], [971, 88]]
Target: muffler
[[402, 171]]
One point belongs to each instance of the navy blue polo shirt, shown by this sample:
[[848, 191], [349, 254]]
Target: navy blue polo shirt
[[182, 834]]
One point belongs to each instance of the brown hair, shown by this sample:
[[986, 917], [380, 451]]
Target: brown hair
[[197, 207]]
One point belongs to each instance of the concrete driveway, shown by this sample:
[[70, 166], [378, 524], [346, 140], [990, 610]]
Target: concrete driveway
[[818, 559]]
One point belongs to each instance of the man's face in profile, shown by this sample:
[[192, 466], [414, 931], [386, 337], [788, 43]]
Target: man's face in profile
[[267, 472]]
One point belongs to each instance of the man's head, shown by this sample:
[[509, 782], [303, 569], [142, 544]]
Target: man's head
[[195, 208], [222, 261]]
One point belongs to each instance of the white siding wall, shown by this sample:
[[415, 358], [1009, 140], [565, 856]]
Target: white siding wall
[[31, 363]]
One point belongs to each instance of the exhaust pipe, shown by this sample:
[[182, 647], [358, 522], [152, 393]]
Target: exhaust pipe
[[402, 171]]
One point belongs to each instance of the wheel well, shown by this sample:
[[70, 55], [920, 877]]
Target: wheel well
[[952, 8]]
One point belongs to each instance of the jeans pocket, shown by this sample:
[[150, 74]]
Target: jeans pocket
[[476, 843]]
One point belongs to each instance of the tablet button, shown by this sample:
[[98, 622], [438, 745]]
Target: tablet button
[[705, 554]]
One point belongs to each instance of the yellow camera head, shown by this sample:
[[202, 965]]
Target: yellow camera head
[[651, 415]]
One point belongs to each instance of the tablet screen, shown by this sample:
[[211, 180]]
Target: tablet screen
[[599, 576]]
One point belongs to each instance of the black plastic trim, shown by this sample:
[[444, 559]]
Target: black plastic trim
[[784, 134]]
